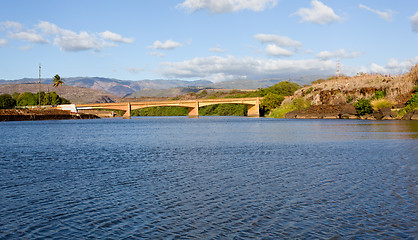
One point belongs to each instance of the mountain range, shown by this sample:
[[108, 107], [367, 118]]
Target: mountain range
[[129, 88]]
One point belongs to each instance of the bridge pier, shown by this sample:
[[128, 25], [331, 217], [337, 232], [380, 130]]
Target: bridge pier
[[127, 114], [194, 111], [254, 110]]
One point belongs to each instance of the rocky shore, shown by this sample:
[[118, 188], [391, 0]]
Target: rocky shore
[[348, 112], [42, 114]]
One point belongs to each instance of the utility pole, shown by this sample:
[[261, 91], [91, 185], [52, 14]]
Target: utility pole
[[39, 94]]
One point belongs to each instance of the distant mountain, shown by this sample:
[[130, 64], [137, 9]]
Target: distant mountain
[[74, 94], [116, 87], [124, 88], [170, 92]]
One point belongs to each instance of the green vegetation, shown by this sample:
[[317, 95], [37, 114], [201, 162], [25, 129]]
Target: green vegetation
[[31, 99], [7, 101], [211, 110], [297, 104], [27, 99], [271, 101], [378, 95], [160, 111], [411, 104], [363, 107], [273, 96], [349, 99], [224, 110]]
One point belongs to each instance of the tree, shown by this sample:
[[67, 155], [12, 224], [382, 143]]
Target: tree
[[7, 101], [57, 81], [271, 101], [27, 99]]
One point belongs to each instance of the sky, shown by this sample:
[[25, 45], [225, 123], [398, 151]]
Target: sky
[[214, 40]]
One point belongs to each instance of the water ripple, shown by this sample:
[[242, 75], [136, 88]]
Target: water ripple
[[234, 179]]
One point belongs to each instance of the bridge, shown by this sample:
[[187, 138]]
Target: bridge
[[193, 105]]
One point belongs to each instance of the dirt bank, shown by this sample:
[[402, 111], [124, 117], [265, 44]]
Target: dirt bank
[[43, 114]]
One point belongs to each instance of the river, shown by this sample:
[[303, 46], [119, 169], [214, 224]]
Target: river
[[208, 178]]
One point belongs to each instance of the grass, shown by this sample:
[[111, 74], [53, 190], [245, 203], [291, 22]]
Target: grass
[[396, 87], [296, 104], [378, 104]]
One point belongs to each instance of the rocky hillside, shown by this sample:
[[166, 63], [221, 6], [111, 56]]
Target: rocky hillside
[[343, 90], [74, 94]]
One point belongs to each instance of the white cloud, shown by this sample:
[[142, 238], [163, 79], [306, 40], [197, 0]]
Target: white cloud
[[319, 13], [222, 6], [414, 22], [157, 54], [15, 26], [281, 41], [340, 53], [217, 68], [74, 42], [50, 28], [217, 49], [3, 42], [115, 37], [387, 15], [274, 50], [394, 67], [65, 39], [134, 70], [30, 36], [167, 45]]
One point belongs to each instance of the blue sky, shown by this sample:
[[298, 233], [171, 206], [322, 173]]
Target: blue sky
[[215, 40]]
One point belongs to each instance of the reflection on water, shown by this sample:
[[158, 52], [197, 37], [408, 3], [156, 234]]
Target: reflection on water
[[208, 178]]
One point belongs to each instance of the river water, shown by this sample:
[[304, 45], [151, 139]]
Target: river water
[[208, 178]]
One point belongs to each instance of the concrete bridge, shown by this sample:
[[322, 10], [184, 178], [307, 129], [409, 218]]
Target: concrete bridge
[[193, 105]]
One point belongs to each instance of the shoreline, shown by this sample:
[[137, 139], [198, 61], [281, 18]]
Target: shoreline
[[347, 112], [7, 115], [317, 112]]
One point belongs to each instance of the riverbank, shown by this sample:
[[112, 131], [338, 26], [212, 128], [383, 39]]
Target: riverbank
[[42, 114], [348, 112]]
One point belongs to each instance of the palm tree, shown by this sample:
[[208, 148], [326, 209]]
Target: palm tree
[[57, 81]]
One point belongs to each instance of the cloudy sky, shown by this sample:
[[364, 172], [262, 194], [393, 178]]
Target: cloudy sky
[[215, 40]]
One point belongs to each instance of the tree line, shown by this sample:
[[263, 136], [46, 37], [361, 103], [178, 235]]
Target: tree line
[[30, 99]]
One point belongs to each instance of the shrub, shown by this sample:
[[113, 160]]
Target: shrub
[[284, 88], [413, 101], [363, 107], [271, 101], [349, 99], [381, 103], [378, 95], [410, 105], [7, 101]]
